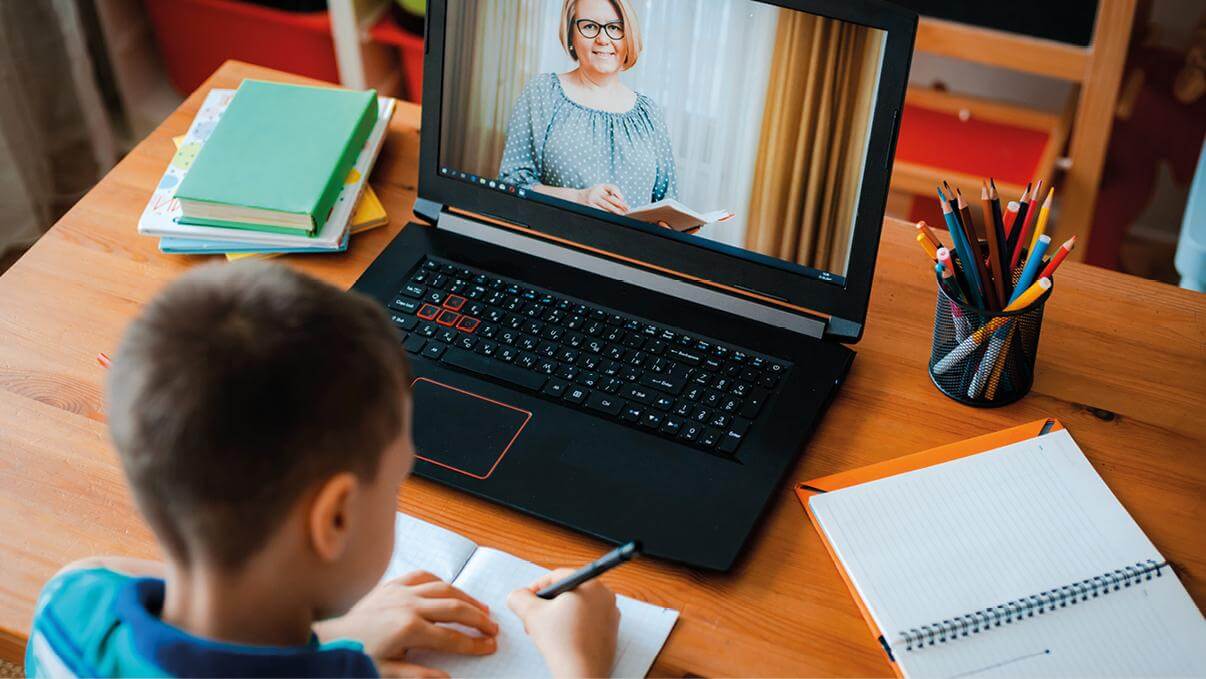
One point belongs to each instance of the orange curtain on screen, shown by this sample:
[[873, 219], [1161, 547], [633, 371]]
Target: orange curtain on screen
[[814, 129]]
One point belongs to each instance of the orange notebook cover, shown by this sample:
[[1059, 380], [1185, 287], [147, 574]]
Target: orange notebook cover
[[900, 465]]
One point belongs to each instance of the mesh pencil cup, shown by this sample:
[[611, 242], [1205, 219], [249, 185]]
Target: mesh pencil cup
[[984, 358]]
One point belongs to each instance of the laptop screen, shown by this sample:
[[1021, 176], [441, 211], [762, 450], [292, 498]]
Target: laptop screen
[[734, 125]]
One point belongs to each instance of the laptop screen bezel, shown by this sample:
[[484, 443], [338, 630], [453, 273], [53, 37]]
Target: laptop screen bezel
[[582, 226]]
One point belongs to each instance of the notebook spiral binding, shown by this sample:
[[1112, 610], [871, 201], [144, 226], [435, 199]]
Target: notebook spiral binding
[[983, 620]]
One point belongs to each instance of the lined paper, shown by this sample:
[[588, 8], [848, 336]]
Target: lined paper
[[958, 537]]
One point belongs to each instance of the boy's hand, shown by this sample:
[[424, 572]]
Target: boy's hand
[[575, 632], [401, 615]]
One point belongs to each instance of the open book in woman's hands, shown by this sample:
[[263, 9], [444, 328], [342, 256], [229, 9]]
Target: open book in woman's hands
[[678, 216]]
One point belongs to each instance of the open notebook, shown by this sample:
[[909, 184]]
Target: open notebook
[[1017, 561], [490, 575]]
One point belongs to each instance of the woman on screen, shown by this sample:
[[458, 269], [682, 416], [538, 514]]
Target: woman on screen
[[584, 136]]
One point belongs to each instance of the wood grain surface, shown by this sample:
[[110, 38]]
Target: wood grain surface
[[1121, 362]]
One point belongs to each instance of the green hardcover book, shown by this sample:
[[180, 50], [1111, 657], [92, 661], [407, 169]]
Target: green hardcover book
[[277, 159]]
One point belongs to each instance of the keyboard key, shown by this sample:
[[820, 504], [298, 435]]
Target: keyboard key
[[605, 403], [701, 414], [768, 381], [434, 297], [454, 302], [669, 385], [718, 420], [466, 342], [428, 312], [576, 394], [428, 330], [651, 420], [671, 425], [753, 403], [414, 343], [631, 413], [405, 305], [546, 366], [555, 388], [414, 291], [709, 438], [490, 368], [467, 324], [447, 336], [684, 355], [638, 394], [434, 350], [404, 322], [569, 372], [690, 431], [448, 318], [663, 403], [508, 354], [486, 348]]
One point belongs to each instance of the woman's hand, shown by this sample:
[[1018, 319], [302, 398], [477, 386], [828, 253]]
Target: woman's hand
[[576, 631], [604, 197], [401, 615]]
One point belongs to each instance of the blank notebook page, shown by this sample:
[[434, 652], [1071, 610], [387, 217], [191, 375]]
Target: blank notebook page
[[422, 546], [491, 575], [932, 544]]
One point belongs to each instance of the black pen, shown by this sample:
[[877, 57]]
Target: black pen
[[592, 570]]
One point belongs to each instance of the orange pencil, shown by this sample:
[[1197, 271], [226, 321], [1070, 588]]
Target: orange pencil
[[1058, 258], [103, 359], [929, 234]]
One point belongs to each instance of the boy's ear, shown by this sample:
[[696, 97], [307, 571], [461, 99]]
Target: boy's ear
[[330, 515]]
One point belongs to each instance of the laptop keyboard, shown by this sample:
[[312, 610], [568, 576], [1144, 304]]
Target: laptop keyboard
[[649, 376]]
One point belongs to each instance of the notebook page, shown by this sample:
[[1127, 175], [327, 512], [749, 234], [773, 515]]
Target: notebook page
[[928, 545], [422, 546], [491, 575], [1152, 629]]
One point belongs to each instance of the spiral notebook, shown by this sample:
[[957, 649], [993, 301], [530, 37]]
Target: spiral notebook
[[1017, 561], [490, 575]]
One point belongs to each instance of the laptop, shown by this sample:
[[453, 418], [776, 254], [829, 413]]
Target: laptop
[[647, 239]]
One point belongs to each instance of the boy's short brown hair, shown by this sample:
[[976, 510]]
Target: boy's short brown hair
[[238, 388]]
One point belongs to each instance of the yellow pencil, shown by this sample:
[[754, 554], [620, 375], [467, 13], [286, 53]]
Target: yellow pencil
[[927, 246], [922, 227], [1044, 214]]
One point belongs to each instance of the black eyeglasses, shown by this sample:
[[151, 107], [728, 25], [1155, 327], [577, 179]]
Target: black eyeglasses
[[590, 29]]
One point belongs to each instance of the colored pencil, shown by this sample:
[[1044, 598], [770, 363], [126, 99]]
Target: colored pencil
[[1022, 233], [926, 245], [1044, 214], [1011, 216], [967, 346], [973, 239], [974, 287], [929, 234], [1019, 222], [993, 232], [1058, 258], [1034, 262]]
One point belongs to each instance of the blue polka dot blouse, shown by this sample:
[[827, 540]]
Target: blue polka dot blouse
[[555, 141]]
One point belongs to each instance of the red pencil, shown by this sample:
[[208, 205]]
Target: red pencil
[[1024, 232], [1058, 258]]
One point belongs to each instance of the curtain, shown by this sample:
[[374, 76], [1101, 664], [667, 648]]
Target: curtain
[[55, 137], [814, 138], [491, 54]]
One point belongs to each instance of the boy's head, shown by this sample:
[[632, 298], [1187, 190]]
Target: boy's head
[[259, 411]]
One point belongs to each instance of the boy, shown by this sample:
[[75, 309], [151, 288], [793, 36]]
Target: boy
[[262, 420]]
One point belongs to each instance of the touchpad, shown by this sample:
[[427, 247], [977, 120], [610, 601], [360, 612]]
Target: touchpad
[[463, 431]]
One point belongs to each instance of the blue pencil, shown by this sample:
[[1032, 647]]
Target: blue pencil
[[1034, 262], [975, 288]]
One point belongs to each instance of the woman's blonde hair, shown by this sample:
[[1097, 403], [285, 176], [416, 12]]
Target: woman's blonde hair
[[632, 30]]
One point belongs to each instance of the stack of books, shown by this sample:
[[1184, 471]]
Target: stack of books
[[270, 169]]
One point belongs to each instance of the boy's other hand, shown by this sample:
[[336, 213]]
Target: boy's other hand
[[402, 614], [576, 631]]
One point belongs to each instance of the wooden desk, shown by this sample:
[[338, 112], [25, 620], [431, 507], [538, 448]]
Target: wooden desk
[[1122, 364]]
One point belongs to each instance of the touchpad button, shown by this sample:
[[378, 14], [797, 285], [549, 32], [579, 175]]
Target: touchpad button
[[463, 431]]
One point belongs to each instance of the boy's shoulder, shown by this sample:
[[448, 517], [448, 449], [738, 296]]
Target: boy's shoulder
[[100, 623], [76, 628]]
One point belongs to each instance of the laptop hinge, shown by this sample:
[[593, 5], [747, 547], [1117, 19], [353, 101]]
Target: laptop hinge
[[633, 275], [428, 210]]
